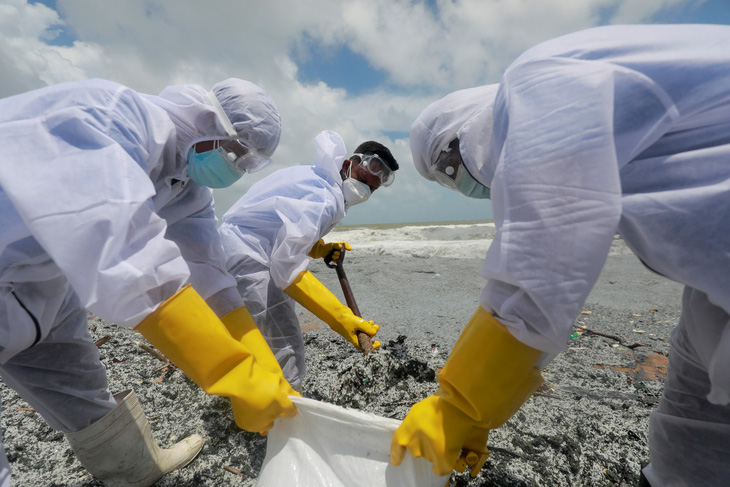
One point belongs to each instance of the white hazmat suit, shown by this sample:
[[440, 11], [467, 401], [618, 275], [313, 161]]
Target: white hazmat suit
[[615, 129], [267, 235], [98, 214]]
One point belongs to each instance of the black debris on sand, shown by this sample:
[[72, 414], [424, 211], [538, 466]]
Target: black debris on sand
[[587, 425]]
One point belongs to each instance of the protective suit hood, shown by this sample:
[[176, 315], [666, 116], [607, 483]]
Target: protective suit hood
[[466, 114], [331, 154], [258, 117], [250, 109]]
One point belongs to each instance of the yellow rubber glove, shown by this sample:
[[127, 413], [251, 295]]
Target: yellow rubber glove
[[474, 452], [486, 379], [189, 333], [322, 250], [242, 327], [313, 295]]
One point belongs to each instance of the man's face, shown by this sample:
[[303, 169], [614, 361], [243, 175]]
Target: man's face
[[363, 175], [229, 145], [448, 165], [204, 146]]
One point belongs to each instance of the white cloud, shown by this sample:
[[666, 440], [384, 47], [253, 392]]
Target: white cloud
[[26, 61], [633, 12], [424, 54]]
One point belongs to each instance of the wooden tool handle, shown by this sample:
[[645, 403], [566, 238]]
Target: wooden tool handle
[[363, 338]]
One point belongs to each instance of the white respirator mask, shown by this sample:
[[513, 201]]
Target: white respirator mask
[[355, 191]]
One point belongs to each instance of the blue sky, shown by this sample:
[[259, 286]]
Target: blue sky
[[363, 68]]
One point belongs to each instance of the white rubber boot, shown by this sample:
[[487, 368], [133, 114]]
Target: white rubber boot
[[119, 448]]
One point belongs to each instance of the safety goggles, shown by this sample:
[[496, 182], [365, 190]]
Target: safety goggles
[[235, 149], [377, 167], [242, 157], [447, 166]]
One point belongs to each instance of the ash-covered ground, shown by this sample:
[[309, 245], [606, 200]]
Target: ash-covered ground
[[587, 426]]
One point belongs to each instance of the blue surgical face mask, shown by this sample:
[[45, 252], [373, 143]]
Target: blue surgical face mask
[[211, 169], [468, 186]]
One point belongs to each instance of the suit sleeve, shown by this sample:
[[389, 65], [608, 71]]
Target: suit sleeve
[[304, 221], [87, 201], [563, 128], [192, 226]]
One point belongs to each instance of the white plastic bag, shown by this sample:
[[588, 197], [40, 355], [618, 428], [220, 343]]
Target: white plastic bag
[[329, 446]]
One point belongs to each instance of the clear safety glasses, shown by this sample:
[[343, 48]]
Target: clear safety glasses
[[447, 166], [377, 167], [242, 157]]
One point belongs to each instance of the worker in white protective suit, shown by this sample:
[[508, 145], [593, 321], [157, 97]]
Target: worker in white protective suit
[[270, 233], [614, 129], [106, 206]]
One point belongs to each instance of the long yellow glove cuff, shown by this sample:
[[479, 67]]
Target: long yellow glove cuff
[[488, 376], [314, 296], [320, 250], [242, 327], [489, 373], [189, 333]]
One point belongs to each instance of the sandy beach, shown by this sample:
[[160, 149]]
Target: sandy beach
[[587, 426]]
